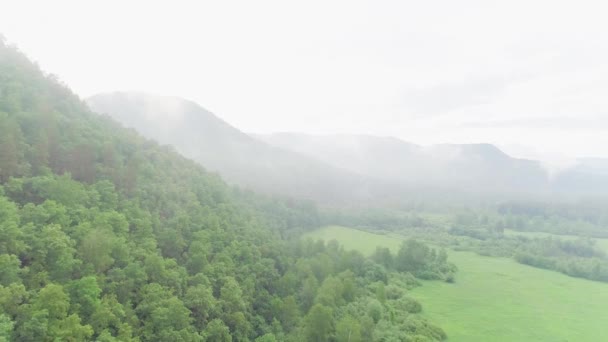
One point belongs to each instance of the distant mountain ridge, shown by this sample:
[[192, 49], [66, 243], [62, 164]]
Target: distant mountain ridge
[[589, 176], [239, 158], [482, 167], [341, 167]]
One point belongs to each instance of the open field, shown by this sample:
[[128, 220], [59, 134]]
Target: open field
[[497, 299], [352, 238]]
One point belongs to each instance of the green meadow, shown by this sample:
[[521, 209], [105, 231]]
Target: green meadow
[[497, 299]]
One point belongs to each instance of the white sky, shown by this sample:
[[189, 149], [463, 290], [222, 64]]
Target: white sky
[[530, 76]]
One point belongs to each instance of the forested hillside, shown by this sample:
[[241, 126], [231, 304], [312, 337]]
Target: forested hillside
[[107, 236]]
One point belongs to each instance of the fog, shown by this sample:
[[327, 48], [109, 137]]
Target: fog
[[528, 77], [303, 172]]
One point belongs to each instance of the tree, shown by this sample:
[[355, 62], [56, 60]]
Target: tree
[[164, 316], [384, 257], [54, 300], [108, 315], [348, 329], [53, 250], [231, 296], [84, 295], [10, 235], [9, 148], [9, 269], [96, 249], [217, 331], [48, 319], [199, 299], [309, 292], [82, 163], [12, 299], [319, 324], [34, 328], [330, 292], [70, 330], [172, 315], [239, 326], [412, 256], [375, 310], [289, 314], [381, 292], [6, 328]]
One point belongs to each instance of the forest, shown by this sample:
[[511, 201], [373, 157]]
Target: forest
[[107, 236]]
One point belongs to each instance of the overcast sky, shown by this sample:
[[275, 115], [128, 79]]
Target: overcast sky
[[530, 76]]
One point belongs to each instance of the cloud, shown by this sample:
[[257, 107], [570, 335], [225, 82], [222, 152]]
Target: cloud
[[441, 99], [598, 122]]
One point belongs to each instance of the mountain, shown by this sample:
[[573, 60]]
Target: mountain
[[587, 176], [475, 167], [108, 236], [330, 168], [219, 147]]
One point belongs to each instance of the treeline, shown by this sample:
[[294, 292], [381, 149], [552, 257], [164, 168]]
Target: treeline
[[418, 259], [376, 219], [106, 236], [582, 218], [578, 257], [588, 210], [485, 230]]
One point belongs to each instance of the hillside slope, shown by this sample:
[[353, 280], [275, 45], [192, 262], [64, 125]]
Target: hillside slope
[[239, 158]]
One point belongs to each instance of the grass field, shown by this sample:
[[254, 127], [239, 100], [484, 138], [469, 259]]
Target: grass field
[[601, 244], [497, 299]]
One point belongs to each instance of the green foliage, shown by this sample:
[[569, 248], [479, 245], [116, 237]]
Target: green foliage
[[9, 269], [319, 324], [11, 240], [217, 331], [348, 329], [105, 236], [6, 328], [420, 260], [375, 310], [85, 294], [266, 338]]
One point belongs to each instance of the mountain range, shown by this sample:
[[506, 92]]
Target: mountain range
[[475, 167], [335, 168]]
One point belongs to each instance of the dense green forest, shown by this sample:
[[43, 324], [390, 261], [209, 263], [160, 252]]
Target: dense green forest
[[107, 236]]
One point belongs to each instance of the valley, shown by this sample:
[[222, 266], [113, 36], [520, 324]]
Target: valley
[[498, 299], [303, 172]]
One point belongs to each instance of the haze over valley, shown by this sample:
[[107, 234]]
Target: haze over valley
[[344, 171], [343, 166]]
